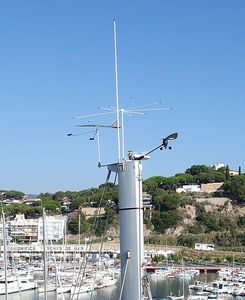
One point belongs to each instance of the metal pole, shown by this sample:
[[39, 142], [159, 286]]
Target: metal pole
[[122, 112], [117, 98], [5, 257], [131, 227], [44, 257], [79, 232], [98, 145], [56, 284]]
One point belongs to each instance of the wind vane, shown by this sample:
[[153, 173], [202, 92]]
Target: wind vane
[[96, 133]]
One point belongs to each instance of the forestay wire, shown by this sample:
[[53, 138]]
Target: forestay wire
[[82, 269], [103, 238]]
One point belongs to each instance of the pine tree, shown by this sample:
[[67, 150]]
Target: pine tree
[[227, 173], [240, 170]]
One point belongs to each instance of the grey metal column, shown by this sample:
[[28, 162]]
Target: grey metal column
[[131, 227]]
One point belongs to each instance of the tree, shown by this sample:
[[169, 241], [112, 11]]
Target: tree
[[33, 212], [73, 225], [108, 185], [71, 195], [187, 240], [240, 170], [16, 208], [184, 178], [222, 170], [206, 219], [174, 257], [218, 260], [205, 177], [46, 196], [164, 220], [235, 188], [207, 257], [37, 203], [197, 169], [169, 201], [157, 258], [110, 214], [152, 183], [22, 208], [241, 222], [52, 206], [219, 176], [59, 196], [227, 173], [77, 202], [13, 194], [170, 182]]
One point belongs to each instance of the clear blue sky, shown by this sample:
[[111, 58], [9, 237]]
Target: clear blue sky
[[56, 61]]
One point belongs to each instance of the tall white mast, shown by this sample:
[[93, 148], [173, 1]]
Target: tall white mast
[[5, 257], [117, 97], [45, 275]]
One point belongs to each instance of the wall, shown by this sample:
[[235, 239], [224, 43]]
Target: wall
[[211, 187]]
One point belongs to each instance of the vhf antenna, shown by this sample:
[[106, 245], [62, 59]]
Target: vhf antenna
[[139, 110], [117, 97]]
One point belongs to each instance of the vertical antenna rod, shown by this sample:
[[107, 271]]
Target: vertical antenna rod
[[98, 145], [118, 121]]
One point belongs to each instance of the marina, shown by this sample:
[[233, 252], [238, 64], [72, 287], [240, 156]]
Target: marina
[[226, 284], [91, 276]]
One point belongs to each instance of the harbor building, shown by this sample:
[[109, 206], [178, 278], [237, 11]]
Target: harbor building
[[25, 230], [54, 228]]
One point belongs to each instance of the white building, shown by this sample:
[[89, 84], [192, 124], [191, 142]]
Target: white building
[[217, 166], [54, 228], [22, 229], [189, 188], [207, 247]]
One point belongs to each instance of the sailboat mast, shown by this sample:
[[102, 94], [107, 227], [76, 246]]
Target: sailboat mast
[[79, 231], [5, 257], [44, 258]]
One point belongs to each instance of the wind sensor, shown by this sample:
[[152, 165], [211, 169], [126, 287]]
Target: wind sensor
[[164, 144]]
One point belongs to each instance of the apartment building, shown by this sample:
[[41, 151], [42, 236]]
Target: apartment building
[[23, 230]]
